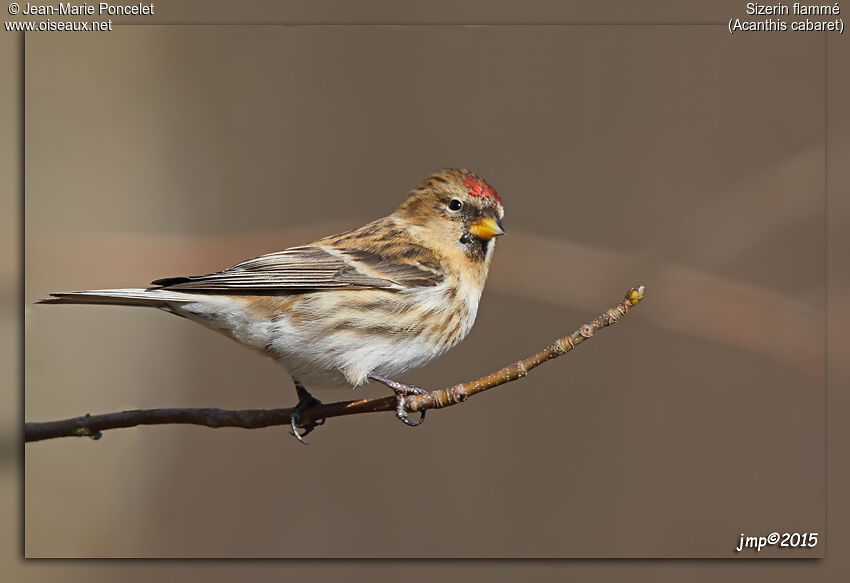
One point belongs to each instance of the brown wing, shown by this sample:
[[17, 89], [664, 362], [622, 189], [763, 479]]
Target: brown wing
[[315, 268]]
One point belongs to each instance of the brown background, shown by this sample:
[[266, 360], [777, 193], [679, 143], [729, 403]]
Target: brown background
[[676, 156]]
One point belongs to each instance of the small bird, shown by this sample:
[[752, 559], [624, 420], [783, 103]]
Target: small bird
[[366, 304]]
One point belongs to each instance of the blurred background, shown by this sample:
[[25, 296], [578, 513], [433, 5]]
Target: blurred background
[[677, 157]]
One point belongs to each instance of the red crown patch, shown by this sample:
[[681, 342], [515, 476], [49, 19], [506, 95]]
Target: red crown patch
[[476, 186]]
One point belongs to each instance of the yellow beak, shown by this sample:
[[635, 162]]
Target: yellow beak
[[486, 228]]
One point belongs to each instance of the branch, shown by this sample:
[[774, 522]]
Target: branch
[[92, 425]]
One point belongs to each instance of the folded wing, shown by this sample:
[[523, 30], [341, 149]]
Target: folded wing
[[315, 268]]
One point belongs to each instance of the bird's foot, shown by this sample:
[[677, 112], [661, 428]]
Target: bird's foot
[[402, 390], [305, 401]]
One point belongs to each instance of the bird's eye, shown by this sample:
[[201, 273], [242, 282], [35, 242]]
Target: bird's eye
[[455, 205]]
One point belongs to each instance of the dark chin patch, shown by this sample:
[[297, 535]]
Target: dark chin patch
[[476, 247]]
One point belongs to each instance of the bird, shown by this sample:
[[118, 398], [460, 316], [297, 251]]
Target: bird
[[367, 304]]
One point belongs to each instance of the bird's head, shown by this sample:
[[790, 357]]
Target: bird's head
[[456, 209]]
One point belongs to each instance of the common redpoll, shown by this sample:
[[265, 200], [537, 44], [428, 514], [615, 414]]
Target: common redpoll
[[369, 303]]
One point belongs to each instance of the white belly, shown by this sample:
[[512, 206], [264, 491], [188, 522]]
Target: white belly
[[319, 354]]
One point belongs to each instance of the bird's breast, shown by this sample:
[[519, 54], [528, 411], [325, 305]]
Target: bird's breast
[[359, 332]]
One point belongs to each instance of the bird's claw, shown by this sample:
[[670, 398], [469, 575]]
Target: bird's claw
[[401, 412], [294, 425], [305, 401], [401, 391]]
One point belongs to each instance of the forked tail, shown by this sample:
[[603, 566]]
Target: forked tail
[[154, 298]]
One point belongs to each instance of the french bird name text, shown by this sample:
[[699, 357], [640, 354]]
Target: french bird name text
[[776, 18]]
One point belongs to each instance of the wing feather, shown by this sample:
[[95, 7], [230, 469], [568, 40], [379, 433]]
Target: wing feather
[[315, 268]]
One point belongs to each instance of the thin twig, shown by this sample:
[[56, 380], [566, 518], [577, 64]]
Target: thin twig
[[93, 425]]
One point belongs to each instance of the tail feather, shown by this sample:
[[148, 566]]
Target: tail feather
[[155, 298]]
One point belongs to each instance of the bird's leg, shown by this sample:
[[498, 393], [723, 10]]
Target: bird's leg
[[305, 401], [401, 390]]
